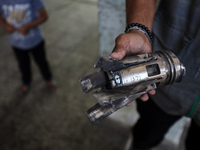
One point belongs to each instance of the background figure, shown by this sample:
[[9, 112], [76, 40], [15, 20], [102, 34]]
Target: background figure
[[20, 19], [175, 27]]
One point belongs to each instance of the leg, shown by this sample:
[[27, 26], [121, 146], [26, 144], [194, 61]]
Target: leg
[[152, 125], [192, 139], [40, 59], [24, 64]]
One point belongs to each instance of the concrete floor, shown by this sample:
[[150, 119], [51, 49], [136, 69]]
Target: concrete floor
[[57, 121], [45, 121]]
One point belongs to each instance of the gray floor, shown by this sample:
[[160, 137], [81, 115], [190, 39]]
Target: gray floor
[[46, 121], [57, 121]]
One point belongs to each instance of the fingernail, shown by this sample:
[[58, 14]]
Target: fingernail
[[144, 97], [113, 55]]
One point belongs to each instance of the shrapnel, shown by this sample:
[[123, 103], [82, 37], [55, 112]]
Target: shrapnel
[[118, 83]]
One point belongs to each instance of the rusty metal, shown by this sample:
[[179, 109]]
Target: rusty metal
[[118, 83]]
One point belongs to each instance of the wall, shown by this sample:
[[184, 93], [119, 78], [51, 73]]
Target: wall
[[111, 23]]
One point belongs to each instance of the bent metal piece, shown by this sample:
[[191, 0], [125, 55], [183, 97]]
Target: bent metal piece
[[121, 82]]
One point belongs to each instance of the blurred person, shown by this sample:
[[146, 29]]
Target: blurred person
[[176, 27], [20, 19]]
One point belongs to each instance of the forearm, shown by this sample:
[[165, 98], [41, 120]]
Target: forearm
[[140, 11], [27, 27], [2, 22], [42, 18], [8, 28]]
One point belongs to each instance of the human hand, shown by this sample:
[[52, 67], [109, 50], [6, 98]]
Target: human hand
[[9, 28], [133, 43], [24, 30]]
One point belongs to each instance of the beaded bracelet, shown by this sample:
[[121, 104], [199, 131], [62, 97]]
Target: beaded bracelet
[[142, 28]]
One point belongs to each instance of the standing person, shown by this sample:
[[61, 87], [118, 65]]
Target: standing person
[[176, 27], [20, 19]]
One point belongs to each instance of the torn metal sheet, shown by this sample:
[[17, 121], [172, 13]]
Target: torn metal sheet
[[118, 83]]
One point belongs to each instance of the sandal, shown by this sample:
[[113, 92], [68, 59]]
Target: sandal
[[23, 90], [52, 85]]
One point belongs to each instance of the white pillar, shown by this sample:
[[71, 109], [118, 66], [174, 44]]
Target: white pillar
[[112, 22]]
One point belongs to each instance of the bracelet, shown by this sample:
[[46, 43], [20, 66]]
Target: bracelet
[[142, 28]]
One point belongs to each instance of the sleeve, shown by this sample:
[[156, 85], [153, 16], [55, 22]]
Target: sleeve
[[37, 4]]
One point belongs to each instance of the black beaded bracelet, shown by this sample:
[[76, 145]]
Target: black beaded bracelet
[[142, 28]]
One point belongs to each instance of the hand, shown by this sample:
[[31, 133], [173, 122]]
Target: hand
[[132, 43], [9, 28], [24, 30]]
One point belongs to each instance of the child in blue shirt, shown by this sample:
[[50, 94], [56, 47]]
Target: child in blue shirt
[[20, 19]]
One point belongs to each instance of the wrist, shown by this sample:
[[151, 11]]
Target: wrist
[[5, 25], [140, 43], [142, 28]]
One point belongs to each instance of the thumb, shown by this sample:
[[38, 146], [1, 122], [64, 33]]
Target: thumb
[[119, 50], [118, 55]]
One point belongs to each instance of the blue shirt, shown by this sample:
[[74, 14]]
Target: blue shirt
[[18, 13]]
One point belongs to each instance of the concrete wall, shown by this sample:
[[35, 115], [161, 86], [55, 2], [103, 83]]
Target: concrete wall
[[111, 23]]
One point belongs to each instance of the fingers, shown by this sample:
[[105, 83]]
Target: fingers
[[118, 55], [120, 48], [145, 97], [10, 29], [152, 92], [129, 104], [24, 30], [132, 44]]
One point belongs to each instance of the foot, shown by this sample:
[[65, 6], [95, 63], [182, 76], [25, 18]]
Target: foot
[[52, 85], [23, 90]]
